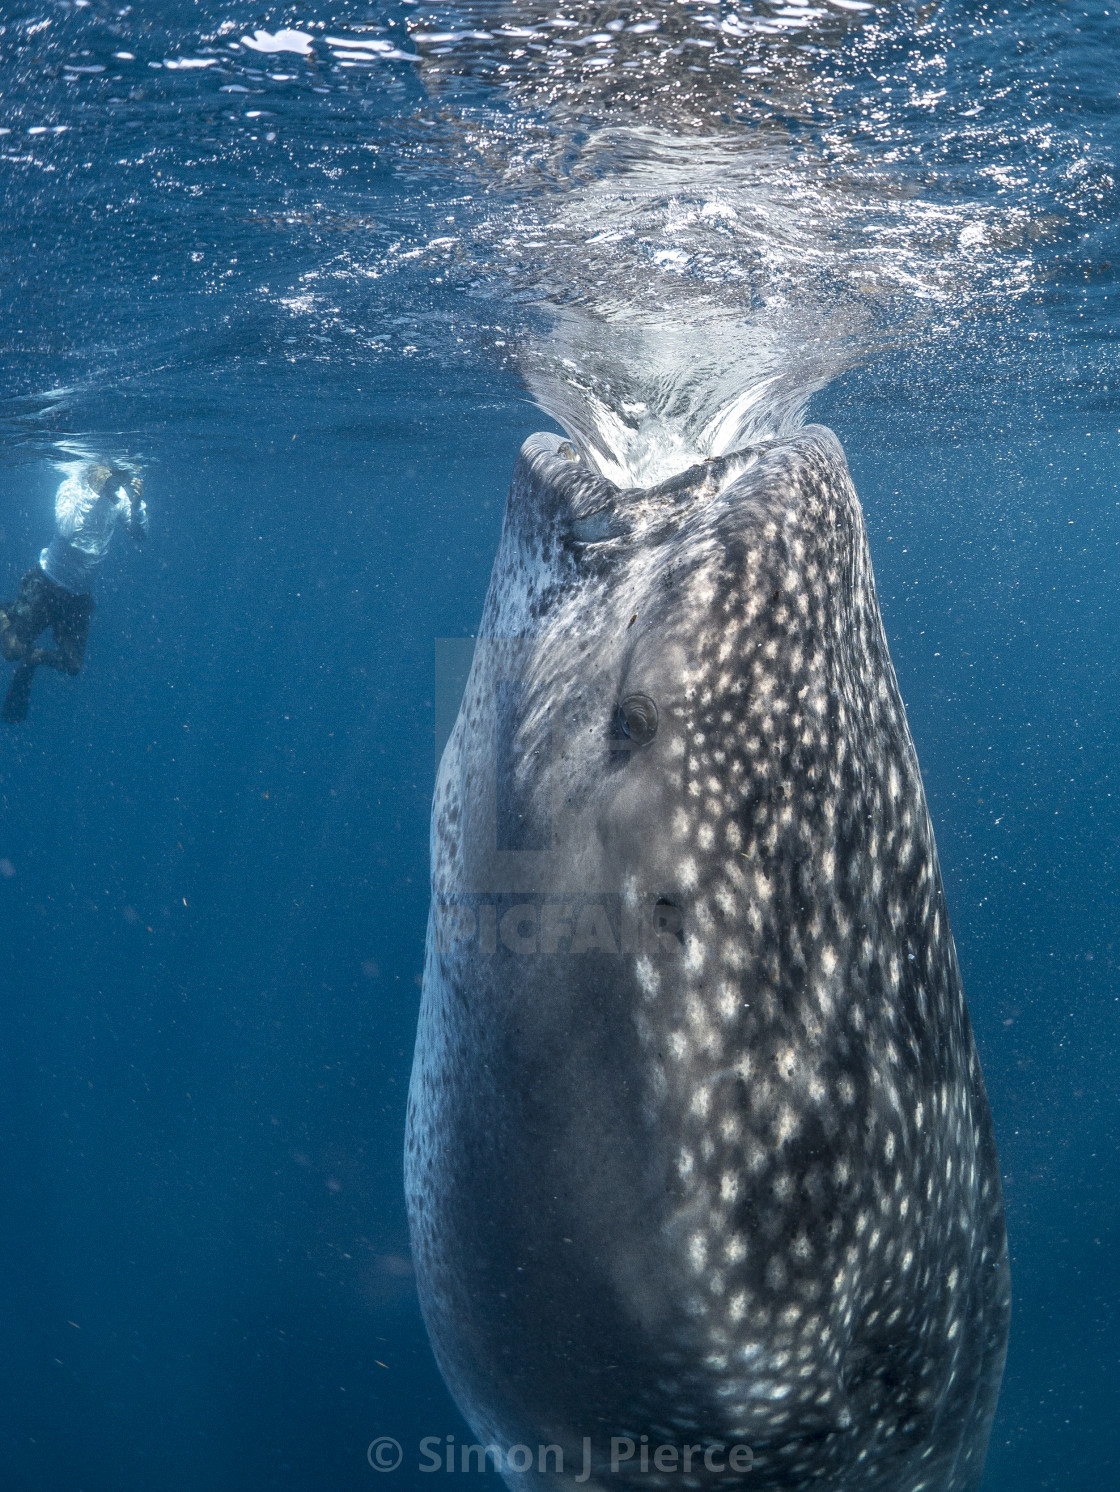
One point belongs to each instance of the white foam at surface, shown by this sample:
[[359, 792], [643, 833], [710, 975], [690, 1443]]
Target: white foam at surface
[[359, 43], [279, 41]]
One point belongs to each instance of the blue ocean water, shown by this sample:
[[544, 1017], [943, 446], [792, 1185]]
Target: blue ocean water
[[313, 293]]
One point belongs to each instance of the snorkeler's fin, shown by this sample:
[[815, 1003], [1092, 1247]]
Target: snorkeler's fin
[[18, 696]]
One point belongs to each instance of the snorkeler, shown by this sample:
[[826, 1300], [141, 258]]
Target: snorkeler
[[88, 506]]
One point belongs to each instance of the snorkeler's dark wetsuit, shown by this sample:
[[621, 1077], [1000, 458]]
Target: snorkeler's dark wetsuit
[[92, 501], [40, 604]]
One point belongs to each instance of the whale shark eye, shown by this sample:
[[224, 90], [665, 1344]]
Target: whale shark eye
[[638, 716], [668, 921]]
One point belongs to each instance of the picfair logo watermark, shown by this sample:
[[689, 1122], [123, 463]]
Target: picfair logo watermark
[[550, 926], [622, 1456]]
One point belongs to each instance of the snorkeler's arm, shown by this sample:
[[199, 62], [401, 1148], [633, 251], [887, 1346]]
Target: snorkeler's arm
[[138, 515], [70, 506]]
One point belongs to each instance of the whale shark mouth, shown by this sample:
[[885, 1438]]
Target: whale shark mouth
[[600, 510]]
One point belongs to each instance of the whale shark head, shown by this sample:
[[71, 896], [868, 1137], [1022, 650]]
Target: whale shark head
[[678, 681], [699, 1147]]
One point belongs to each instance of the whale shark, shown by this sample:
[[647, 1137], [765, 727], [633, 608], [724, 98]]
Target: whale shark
[[699, 1161]]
